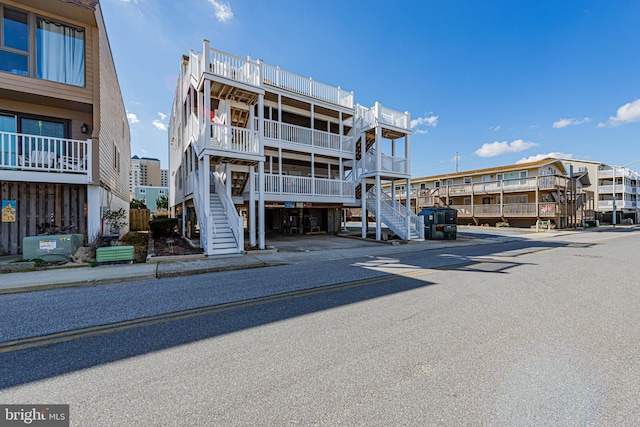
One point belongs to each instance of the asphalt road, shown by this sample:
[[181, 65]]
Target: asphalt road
[[521, 332]]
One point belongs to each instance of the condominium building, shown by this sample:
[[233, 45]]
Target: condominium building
[[250, 142], [521, 195], [64, 134], [144, 171], [609, 183]]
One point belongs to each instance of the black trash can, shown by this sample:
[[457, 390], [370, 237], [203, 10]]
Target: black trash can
[[440, 223]]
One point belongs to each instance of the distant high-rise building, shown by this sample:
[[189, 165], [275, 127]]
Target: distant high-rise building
[[145, 171], [164, 177]]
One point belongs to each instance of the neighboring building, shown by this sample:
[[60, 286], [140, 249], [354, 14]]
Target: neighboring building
[[626, 189], [148, 195], [145, 171], [64, 134], [164, 178], [249, 139], [520, 194]]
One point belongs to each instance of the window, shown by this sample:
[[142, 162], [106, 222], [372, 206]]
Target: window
[[423, 186], [116, 157], [14, 42], [143, 191], [437, 184], [467, 180], [449, 182], [59, 54]]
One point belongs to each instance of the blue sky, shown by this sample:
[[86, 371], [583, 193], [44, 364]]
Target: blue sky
[[494, 81]]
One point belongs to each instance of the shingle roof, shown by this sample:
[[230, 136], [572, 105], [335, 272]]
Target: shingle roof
[[87, 4], [497, 169]]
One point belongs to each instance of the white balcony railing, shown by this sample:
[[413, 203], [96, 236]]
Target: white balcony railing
[[382, 115], [306, 186], [304, 136], [36, 153], [306, 86], [387, 163], [234, 68], [256, 73], [510, 210], [620, 204], [234, 139]]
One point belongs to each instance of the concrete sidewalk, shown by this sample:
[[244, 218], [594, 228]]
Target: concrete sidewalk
[[288, 251]]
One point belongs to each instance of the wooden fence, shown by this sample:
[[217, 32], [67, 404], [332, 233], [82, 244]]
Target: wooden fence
[[38, 205], [139, 219]]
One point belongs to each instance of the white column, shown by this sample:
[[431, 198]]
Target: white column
[[94, 214], [261, 226], [252, 206], [363, 200], [408, 200], [378, 208], [207, 113]]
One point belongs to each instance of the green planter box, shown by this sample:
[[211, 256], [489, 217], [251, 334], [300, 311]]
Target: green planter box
[[114, 255]]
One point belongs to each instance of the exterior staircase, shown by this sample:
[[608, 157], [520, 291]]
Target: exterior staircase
[[395, 216], [223, 240]]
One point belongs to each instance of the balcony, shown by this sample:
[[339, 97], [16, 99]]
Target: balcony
[[506, 186], [511, 210], [392, 164], [607, 205], [42, 158], [379, 115], [230, 142], [257, 74], [301, 138], [286, 187]]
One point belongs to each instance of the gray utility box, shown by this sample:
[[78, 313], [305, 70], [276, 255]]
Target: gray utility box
[[440, 223], [55, 247]]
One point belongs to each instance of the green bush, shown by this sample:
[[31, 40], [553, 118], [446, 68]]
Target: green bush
[[163, 227]]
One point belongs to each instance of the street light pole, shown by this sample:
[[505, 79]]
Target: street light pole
[[614, 198]]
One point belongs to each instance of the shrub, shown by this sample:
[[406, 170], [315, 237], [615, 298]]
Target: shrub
[[163, 227]]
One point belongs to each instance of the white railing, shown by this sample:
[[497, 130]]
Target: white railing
[[19, 151], [396, 215], [236, 222], [300, 135], [306, 186], [233, 68], [204, 219], [378, 114], [507, 185], [393, 117], [620, 204], [306, 86], [509, 210], [608, 189], [231, 138], [387, 163]]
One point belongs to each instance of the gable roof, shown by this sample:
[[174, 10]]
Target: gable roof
[[497, 169]]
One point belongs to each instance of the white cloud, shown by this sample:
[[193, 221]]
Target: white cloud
[[563, 123], [427, 121], [132, 118], [497, 148], [222, 10], [160, 124], [628, 113], [495, 128], [537, 157], [129, 1], [431, 121]]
